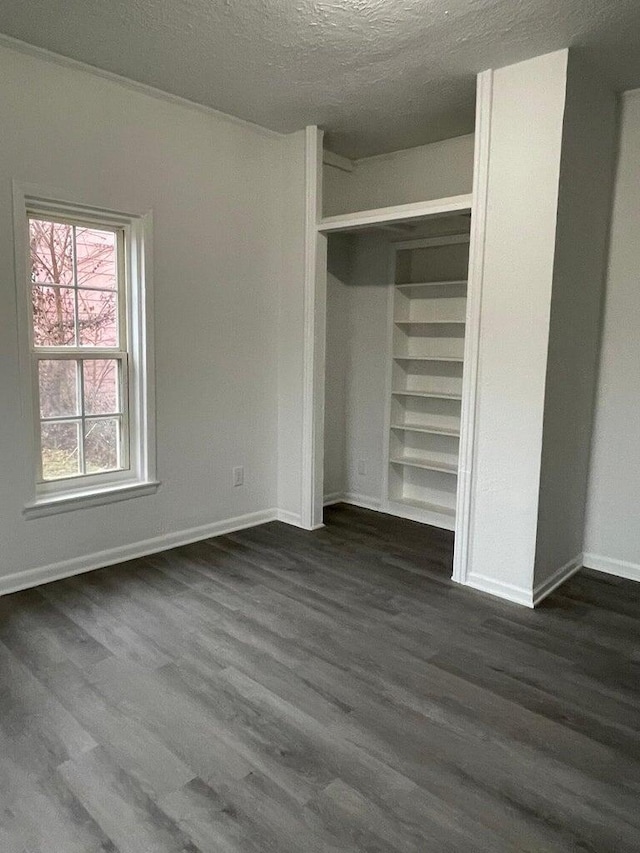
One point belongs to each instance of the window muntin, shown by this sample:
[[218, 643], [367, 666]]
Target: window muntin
[[79, 351]]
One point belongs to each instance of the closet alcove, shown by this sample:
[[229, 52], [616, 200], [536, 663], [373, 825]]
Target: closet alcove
[[395, 335]]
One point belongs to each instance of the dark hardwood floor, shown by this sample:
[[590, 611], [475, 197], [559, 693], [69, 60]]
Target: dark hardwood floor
[[277, 690]]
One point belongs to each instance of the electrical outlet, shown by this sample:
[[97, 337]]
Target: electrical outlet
[[362, 467], [238, 476]]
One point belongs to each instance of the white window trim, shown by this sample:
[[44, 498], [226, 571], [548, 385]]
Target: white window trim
[[140, 478]]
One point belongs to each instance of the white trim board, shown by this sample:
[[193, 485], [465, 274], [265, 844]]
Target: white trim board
[[78, 565], [520, 595], [337, 161], [144, 88], [387, 508], [396, 213], [542, 590], [612, 566], [313, 340], [294, 520], [507, 591], [467, 445], [355, 499], [363, 501], [333, 498]]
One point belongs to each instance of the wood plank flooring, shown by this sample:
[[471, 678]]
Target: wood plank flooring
[[277, 690]]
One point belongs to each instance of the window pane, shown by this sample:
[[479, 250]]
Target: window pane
[[50, 245], [97, 318], [96, 258], [101, 395], [58, 388], [53, 316], [101, 445], [60, 457]]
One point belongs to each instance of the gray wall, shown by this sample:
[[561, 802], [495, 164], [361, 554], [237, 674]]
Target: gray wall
[[358, 274], [584, 205], [612, 540], [437, 170], [356, 370], [524, 166], [290, 213], [213, 186], [339, 263]]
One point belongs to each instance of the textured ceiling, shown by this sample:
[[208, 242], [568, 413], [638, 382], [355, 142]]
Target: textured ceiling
[[377, 75]]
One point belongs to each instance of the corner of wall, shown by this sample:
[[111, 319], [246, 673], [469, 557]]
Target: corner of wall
[[290, 212], [580, 257], [612, 534], [519, 234]]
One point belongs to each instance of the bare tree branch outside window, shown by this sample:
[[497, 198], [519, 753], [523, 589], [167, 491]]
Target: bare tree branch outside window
[[75, 304]]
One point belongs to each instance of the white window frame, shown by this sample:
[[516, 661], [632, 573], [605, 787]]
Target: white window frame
[[135, 355]]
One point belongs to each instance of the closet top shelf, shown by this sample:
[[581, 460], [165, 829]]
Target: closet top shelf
[[419, 284], [397, 213], [429, 322], [428, 464], [430, 429], [438, 395], [454, 359], [427, 505]]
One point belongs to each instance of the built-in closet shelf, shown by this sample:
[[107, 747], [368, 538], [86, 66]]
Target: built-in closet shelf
[[427, 506], [406, 288], [430, 430], [453, 359], [436, 395], [427, 464], [427, 310], [429, 322], [405, 213]]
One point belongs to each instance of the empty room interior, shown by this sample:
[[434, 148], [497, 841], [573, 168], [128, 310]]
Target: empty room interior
[[320, 426]]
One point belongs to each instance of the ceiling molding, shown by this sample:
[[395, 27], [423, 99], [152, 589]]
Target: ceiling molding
[[386, 155], [142, 88], [337, 161], [376, 83]]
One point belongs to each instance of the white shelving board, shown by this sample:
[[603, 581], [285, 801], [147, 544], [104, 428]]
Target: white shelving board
[[427, 324], [435, 395], [412, 212], [445, 358], [433, 429]]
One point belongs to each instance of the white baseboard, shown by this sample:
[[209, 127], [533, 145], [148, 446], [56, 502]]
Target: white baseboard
[[522, 595], [516, 594], [611, 566], [353, 498], [294, 519], [79, 565], [391, 508], [333, 498], [542, 590], [289, 517], [420, 515], [363, 501]]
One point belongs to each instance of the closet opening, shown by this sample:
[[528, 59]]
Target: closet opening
[[396, 308]]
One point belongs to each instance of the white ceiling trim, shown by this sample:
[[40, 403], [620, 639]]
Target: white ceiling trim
[[143, 88], [386, 155]]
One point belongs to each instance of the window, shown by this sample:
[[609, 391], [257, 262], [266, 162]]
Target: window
[[79, 348], [86, 339]]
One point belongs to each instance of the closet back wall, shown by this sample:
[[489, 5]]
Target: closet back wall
[[423, 173], [356, 367], [339, 269], [213, 185], [612, 541], [359, 273]]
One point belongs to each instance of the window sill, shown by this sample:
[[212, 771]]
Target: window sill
[[53, 504]]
